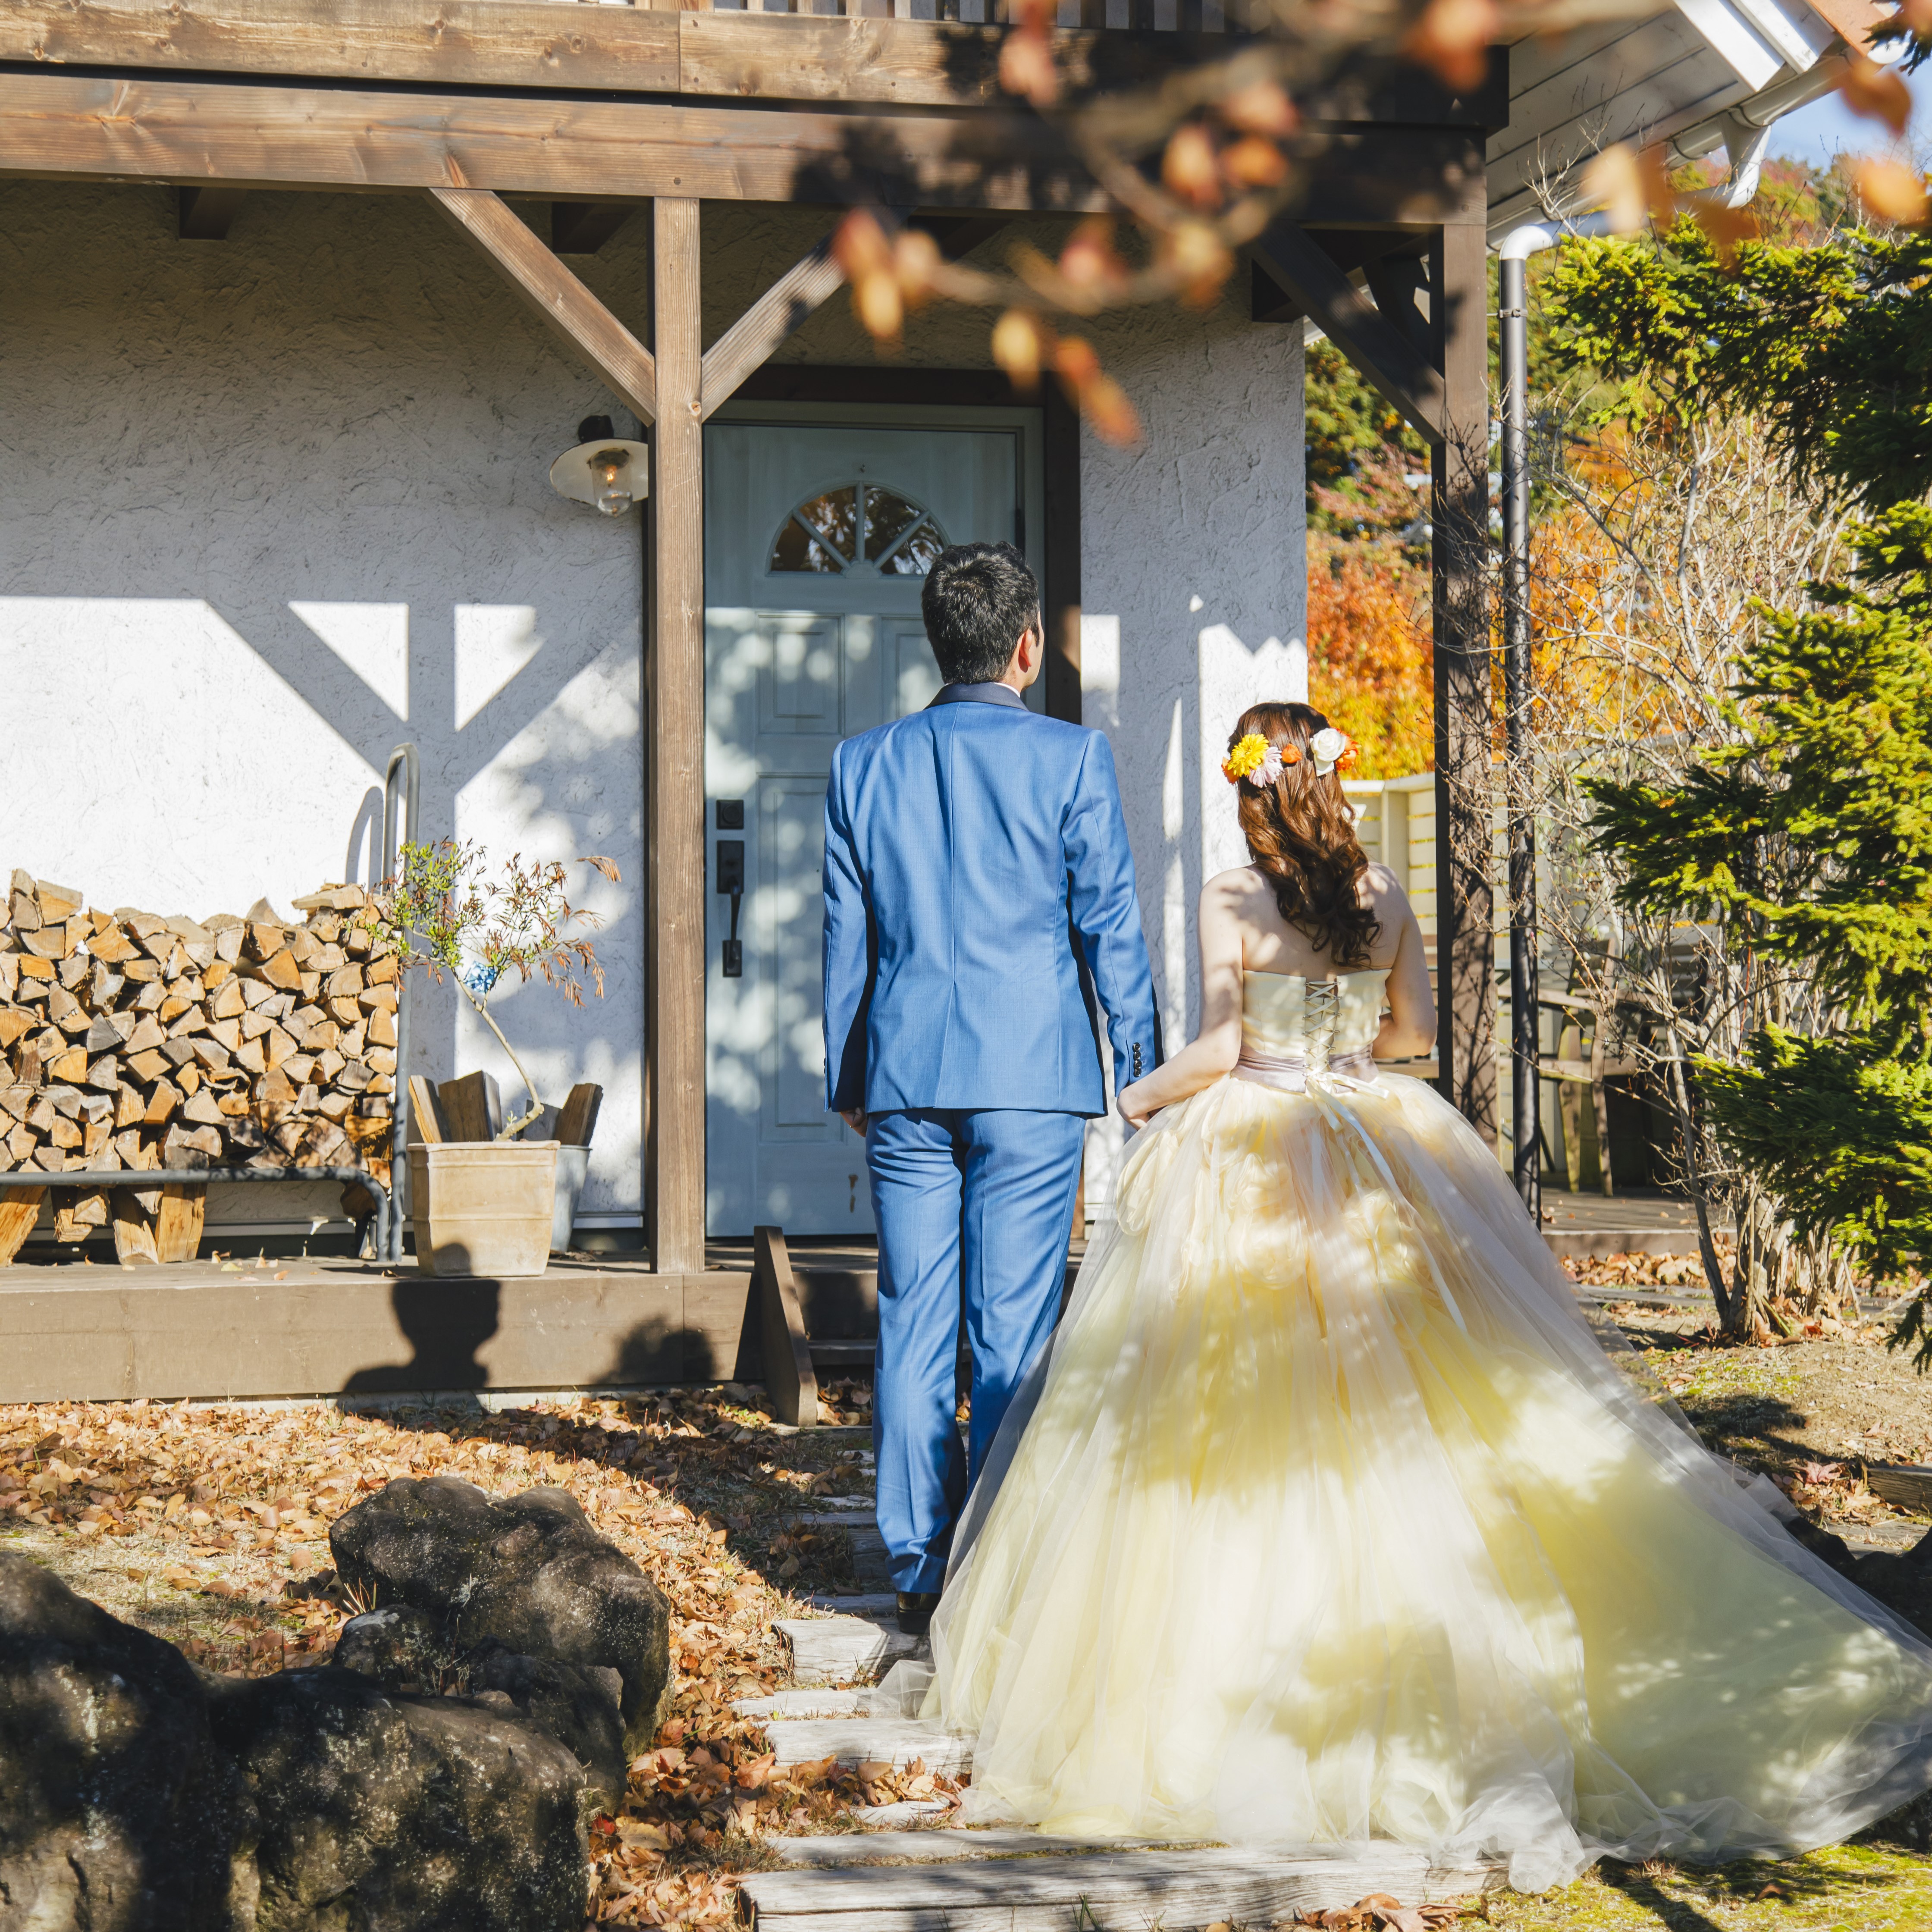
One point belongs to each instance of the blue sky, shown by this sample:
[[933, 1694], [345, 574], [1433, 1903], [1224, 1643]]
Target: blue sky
[[1826, 127]]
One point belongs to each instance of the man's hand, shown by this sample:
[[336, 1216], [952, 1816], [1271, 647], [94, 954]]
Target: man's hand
[[1136, 1107], [854, 1117]]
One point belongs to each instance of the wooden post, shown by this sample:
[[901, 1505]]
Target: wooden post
[[674, 604], [790, 1380], [1060, 554], [1460, 467]]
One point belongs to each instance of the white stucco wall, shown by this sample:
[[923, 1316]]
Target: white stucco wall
[[268, 506], [1195, 588]]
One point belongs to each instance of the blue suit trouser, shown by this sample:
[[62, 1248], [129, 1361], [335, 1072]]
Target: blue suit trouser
[[981, 1202]]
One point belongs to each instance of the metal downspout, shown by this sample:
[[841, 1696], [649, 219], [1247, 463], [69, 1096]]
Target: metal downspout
[[410, 760]]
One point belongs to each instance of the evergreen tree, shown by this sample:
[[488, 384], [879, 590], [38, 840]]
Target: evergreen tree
[[1814, 828]]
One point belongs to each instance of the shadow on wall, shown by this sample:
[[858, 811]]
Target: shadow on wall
[[446, 1323], [319, 524]]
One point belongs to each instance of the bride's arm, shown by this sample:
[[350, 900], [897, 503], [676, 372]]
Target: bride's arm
[[1217, 1045], [1410, 1028]]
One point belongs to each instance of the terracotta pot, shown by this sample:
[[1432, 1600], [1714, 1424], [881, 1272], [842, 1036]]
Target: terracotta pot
[[483, 1208]]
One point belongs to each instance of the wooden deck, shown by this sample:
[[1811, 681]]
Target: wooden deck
[[303, 1328], [79, 1329]]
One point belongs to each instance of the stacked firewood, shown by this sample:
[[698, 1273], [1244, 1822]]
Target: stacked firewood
[[130, 1042]]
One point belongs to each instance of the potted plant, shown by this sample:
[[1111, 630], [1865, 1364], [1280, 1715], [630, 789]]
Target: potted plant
[[486, 1207]]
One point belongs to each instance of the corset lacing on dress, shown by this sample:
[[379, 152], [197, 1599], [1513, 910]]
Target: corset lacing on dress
[[1282, 1049]]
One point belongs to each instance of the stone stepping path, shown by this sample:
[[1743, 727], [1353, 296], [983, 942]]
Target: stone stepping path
[[1117, 1890], [939, 1847], [857, 1740], [844, 1650], [869, 1547]]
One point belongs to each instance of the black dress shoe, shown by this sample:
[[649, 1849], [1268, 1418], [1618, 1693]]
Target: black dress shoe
[[915, 1610]]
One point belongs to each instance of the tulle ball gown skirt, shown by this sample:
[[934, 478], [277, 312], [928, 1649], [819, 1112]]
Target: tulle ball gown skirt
[[1327, 1519]]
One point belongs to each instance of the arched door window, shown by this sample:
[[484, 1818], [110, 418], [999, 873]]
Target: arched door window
[[855, 526]]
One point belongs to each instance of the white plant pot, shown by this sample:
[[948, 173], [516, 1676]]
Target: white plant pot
[[483, 1208]]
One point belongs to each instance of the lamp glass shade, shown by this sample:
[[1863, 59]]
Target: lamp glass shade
[[609, 474]]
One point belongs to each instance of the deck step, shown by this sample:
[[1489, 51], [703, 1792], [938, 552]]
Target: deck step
[[1176, 1890], [841, 1354], [856, 1740], [843, 1650]]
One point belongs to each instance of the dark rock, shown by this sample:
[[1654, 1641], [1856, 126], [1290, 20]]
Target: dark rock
[[577, 1706], [1833, 1550], [400, 1648], [414, 1814], [530, 1573], [118, 1811], [1902, 1583]]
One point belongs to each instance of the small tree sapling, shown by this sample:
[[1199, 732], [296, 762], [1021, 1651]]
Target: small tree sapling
[[444, 912]]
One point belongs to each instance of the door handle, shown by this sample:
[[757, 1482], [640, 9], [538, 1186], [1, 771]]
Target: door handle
[[731, 881]]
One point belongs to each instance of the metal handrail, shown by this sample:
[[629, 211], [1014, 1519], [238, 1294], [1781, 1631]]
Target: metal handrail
[[406, 756], [140, 1179]]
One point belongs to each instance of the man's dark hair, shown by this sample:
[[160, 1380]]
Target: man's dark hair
[[977, 600]]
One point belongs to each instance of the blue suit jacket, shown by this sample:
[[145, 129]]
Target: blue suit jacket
[[978, 883]]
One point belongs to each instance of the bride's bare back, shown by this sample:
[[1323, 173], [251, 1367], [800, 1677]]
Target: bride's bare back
[[1242, 931]]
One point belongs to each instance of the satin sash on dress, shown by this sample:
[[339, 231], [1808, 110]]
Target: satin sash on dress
[[1290, 1073]]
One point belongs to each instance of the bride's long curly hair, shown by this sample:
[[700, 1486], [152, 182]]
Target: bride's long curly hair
[[1301, 833]]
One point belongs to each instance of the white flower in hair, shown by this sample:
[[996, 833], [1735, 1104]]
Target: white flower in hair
[[1326, 748]]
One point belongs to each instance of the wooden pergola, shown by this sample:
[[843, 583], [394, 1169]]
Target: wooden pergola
[[601, 110]]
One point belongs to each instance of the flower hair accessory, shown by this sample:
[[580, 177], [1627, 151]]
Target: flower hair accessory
[[1255, 759], [1329, 748]]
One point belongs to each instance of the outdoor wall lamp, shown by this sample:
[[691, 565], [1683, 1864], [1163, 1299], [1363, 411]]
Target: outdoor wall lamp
[[603, 469]]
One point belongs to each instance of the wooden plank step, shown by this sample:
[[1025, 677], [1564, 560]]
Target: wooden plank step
[[841, 1354], [1117, 1891], [945, 1846], [843, 1650], [859, 1740], [1909, 1485]]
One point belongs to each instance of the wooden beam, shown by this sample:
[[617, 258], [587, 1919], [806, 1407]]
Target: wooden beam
[[59, 126], [802, 57], [639, 50], [583, 227], [1400, 285], [550, 288], [674, 672], [1388, 360], [205, 214], [459, 42], [783, 307], [1460, 466]]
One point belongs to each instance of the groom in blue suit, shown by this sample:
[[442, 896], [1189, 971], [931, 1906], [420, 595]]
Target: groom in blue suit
[[978, 899]]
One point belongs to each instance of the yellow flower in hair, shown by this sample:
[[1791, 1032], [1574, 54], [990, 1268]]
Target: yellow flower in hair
[[1247, 758]]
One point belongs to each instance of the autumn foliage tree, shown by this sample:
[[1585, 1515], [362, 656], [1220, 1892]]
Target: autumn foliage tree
[[1809, 833]]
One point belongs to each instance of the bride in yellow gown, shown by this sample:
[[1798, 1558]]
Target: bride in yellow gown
[[1326, 1518]]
